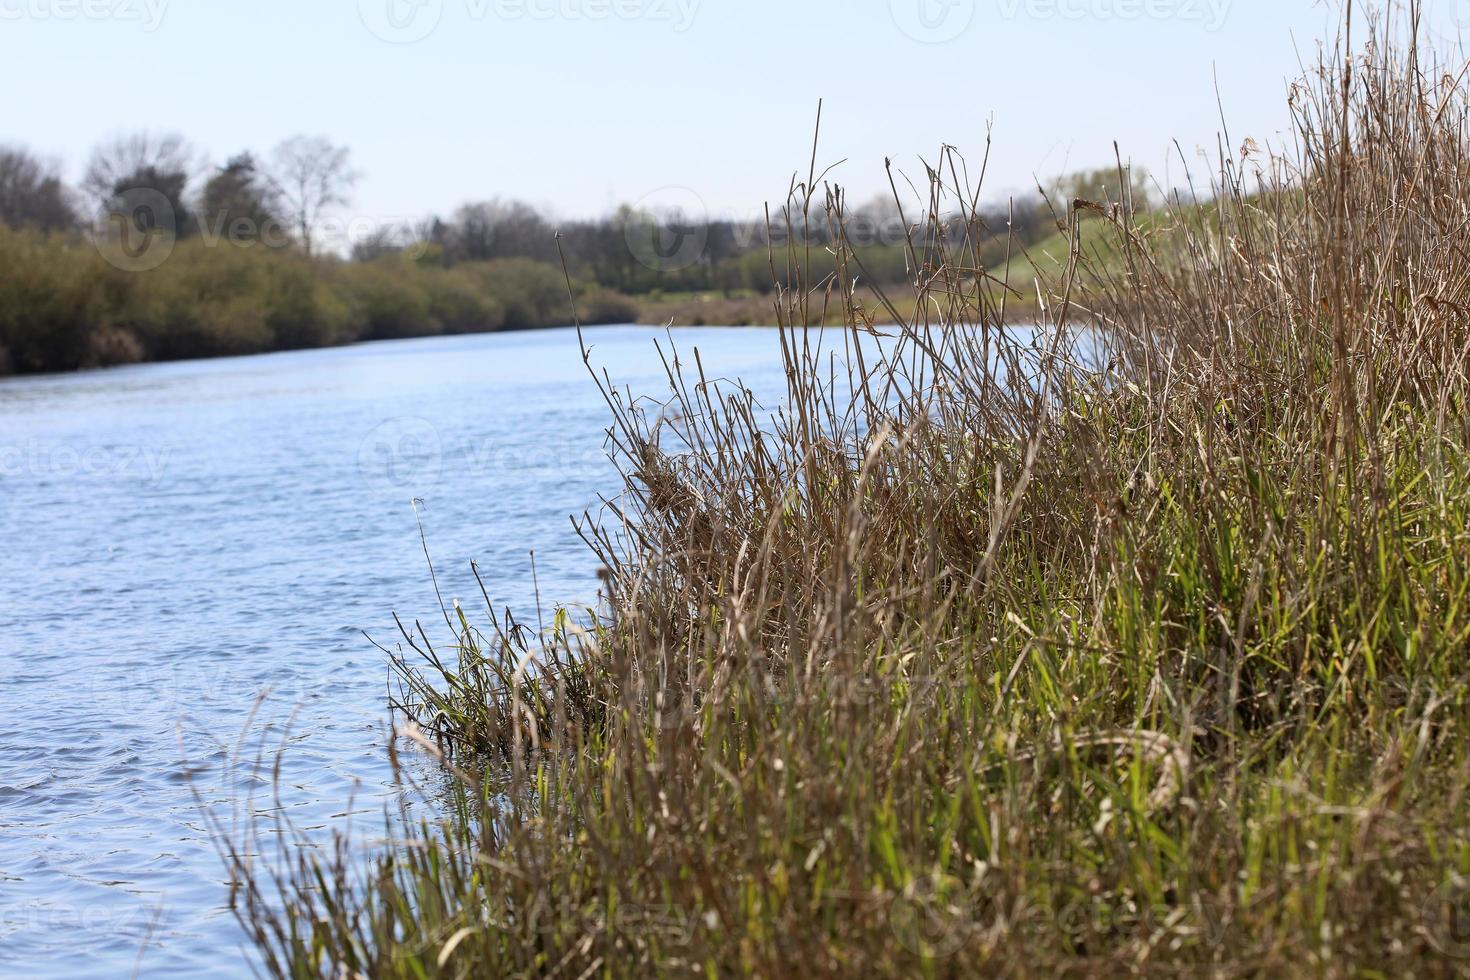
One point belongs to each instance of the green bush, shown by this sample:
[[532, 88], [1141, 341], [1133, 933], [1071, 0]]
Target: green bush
[[606, 306], [396, 298], [460, 304], [307, 308], [52, 300], [534, 294], [203, 301], [63, 306], [389, 300]]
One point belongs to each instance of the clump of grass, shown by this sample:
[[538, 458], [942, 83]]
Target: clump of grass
[[1131, 644]]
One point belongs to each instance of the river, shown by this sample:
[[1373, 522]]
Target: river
[[191, 555]]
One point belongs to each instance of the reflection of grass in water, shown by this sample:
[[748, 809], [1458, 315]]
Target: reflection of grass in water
[[1153, 669]]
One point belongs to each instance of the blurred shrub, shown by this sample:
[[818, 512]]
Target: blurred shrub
[[203, 302], [460, 304], [606, 306], [52, 300], [307, 306], [389, 300], [62, 306], [534, 294]]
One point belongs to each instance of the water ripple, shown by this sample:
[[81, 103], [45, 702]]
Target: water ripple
[[185, 539]]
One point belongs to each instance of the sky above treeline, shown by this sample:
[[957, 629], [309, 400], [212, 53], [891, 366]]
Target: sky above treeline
[[577, 105]]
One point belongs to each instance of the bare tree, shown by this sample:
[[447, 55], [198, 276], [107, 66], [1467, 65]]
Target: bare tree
[[31, 193], [312, 176], [118, 160], [143, 176], [498, 229]]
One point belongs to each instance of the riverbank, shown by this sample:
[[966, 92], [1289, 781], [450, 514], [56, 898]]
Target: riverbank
[[1008, 289], [981, 662], [71, 311], [284, 484], [65, 305], [69, 303]]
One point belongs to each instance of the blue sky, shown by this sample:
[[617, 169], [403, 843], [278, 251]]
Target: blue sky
[[576, 105]]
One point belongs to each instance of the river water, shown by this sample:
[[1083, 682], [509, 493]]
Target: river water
[[180, 541]]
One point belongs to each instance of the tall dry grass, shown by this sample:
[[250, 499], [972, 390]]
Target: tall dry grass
[[1133, 644]]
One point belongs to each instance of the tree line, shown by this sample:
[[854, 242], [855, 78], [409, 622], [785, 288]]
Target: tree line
[[281, 199], [246, 256]]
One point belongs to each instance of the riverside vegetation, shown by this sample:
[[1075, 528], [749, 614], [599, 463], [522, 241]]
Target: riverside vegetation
[[1133, 645], [63, 306], [159, 276]]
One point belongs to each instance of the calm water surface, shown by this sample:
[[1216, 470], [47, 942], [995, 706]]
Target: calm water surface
[[177, 540]]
